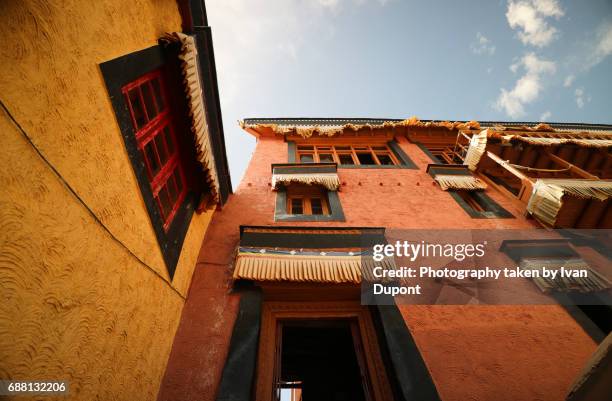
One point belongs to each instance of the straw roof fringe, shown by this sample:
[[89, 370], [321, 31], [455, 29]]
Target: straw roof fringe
[[193, 91], [328, 180], [307, 132], [300, 268], [547, 197], [538, 141], [460, 182]]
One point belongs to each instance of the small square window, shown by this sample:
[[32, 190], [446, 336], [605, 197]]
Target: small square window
[[346, 159], [326, 158], [316, 206], [296, 206], [365, 158], [385, 159], [306, 158]]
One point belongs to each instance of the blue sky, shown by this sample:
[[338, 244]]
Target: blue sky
[[525, 60]]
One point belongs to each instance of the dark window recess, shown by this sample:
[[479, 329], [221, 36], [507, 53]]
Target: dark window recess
[[320, 361], [385, 160], [316, 206], [145, 89], [297, 206], [346, 159], [478, 205], [366, 159], [306, 159]]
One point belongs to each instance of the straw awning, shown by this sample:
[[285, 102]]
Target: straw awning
[[328, 180], [306, 268], [547, 198], [478, 145], [459, 182], [195, 101]]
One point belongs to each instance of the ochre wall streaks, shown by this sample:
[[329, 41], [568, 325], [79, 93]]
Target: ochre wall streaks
[[75, 303]]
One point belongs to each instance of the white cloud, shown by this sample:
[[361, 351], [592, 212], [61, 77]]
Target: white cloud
[[529, 17], [581, 97], [569, 80], [482, 45], [545, 116], [602, 47], [527, 87]]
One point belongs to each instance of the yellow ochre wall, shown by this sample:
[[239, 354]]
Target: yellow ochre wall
[[79, 301]]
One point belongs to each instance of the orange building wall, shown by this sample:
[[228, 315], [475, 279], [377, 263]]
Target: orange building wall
[[478, 353]]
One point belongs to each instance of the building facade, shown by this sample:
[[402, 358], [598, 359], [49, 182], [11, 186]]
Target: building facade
[[113, 166], [275, 302]]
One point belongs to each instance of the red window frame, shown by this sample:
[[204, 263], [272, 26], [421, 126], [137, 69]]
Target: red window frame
[[156, 139]]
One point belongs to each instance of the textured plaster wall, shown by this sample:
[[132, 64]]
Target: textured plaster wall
[[75, 303], [473, 352]]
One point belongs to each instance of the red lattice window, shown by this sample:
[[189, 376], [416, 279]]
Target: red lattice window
[[157, 142]]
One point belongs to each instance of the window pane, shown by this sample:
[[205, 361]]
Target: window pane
[[148, 100], [326, 158], [139, 115], [306, 159], [385, 159], [178, 180], [316, 205], [166, 205], [297, 206], [161, 149], [172, 192], [151, 158], [304, 147], [343, 148], [346, 159], [365, 158], [169, 140], [158, 95], [379, 147]]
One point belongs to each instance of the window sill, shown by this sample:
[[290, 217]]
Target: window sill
[[307, 217]]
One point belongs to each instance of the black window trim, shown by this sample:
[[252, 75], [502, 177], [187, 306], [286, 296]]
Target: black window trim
[[495, 211], [333, 200], [116, 74]]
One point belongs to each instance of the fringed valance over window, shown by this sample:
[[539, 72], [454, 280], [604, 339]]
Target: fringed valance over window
[[328, 180], [478, 145], [547, 198], [592, 283], [306, 268], [195, 101], [455, 177], [459, 182]]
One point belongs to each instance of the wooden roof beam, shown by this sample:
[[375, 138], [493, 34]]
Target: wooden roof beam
[[574, 169]]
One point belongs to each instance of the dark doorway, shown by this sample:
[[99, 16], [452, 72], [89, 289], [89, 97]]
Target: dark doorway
[[321, 361]]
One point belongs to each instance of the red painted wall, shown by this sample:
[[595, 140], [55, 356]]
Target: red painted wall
[[473, 352]]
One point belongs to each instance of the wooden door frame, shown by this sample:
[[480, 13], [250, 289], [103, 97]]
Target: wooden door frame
[[273, 312]]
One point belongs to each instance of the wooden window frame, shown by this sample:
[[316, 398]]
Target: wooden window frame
[[392, 149], [352, 151], [273, 313], [171, 171], [119, 74], [306, 195], [332, 209]]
